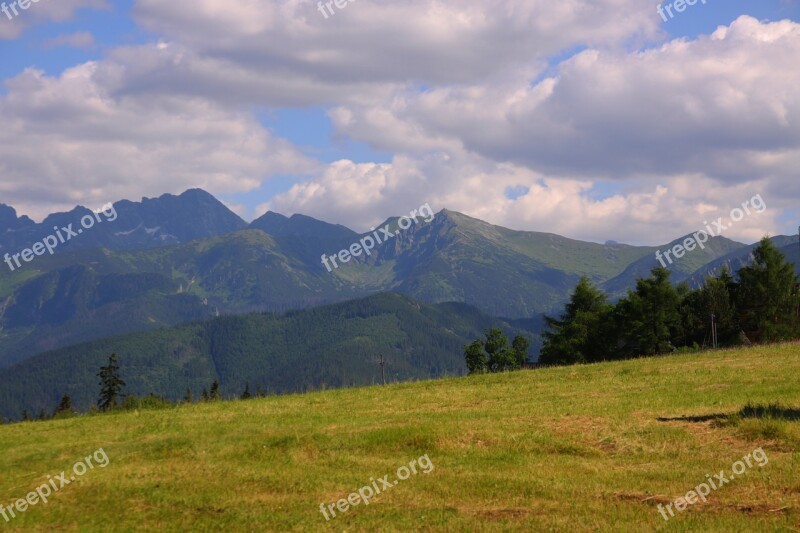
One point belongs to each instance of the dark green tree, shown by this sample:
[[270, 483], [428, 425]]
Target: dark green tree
[[521, 345], [110, 384], [696, 308], [501, 356], [187, 398], [214, 394], [767, 296], [476, 357], [204, 396], [583, 333], [64, 406], [649, 316]]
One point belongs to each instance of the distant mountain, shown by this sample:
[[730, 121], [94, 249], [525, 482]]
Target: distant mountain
[[10, 222], [330, 346], [153, 222], [682, 269], [85, 295], [742, 256], [304, 236]]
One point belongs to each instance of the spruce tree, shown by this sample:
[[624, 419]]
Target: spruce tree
[[767, 295], [215, 396], [584, 332], [64, 406], [651, 315], [110, 384]]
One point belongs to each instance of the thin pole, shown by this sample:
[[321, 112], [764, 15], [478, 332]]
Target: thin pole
[[383, 374], [713, 331]]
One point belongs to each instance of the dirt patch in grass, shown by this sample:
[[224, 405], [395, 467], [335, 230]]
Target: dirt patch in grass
[[504, 514], [649, 499], [710, 505]]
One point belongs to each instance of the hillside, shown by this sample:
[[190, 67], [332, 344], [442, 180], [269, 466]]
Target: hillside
[[329, 346], [510, 452]]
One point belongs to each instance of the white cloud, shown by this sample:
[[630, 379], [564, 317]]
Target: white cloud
[[724, 105], [362, 195], [285, 53], [65, 140]]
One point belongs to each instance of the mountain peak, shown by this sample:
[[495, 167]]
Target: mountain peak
[[9, 219]]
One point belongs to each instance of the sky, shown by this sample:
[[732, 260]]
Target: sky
[[593, 119]]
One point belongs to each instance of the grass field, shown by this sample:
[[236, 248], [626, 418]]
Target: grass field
[[586, 448]]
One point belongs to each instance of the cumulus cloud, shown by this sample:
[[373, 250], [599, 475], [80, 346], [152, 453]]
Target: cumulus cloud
[[65, 140], [723, 105], [286, 53], [362, 195], [718, 113]]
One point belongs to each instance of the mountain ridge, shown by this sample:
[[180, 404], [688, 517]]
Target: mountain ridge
[[208, 262]]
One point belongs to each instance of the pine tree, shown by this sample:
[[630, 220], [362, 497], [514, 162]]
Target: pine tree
[[64, 406], [697, 307], [110, 384], [651, 315], [767, 296], [204, 396], [585, 331], [215, 396], [187, 398]]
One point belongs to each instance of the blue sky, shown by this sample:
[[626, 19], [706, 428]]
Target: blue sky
[[337, 120]]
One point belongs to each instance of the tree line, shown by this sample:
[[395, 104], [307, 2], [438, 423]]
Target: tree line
[[761, 304], [494, 354], [111, 396]]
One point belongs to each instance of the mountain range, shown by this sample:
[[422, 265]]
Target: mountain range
[[175, 260]]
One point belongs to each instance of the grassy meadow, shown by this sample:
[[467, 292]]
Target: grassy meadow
[[584, 448]]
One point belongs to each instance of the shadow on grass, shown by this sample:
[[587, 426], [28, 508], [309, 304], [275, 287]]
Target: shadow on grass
[[771, 411]]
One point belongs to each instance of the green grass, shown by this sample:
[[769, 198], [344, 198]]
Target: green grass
[[586, 448]]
